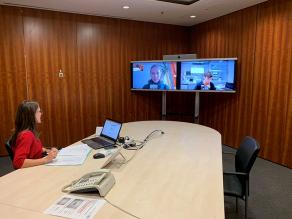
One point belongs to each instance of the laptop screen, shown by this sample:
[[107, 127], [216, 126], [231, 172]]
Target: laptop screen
[[111, 129]]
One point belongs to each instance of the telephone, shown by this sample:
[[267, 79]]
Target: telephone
[[100, 181]]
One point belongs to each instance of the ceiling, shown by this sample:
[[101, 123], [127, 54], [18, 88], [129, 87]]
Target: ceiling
[[142, 10]]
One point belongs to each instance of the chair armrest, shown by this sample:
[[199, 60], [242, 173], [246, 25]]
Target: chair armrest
[[236, 173], [230, 153]]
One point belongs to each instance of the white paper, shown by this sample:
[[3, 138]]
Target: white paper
[[98, 130], [70, 206], [76, 150], [67, 161], [72, 155]]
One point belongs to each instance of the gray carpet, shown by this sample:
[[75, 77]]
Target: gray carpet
[[270, 189]]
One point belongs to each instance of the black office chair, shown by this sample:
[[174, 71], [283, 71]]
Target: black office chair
[[9, 149], [236, 184]]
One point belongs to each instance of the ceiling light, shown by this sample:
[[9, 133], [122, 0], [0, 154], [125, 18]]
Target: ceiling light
[[192, 16], [126, 7]]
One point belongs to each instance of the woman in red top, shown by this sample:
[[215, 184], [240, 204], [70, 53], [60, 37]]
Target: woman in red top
[[26, 146]]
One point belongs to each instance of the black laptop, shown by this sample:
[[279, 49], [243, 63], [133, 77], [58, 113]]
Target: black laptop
[[108, 136]]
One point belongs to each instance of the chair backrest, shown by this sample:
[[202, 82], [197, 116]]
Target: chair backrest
[[246, 155], [9, 149]]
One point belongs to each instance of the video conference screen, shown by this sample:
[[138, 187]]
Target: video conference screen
[[208, 75], [154, 75], [198, 75]]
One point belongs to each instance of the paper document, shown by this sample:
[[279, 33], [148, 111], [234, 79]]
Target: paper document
[[98, 130], [72, 155], [79, 149], [70, 206]]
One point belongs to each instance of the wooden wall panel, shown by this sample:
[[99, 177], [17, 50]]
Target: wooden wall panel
[[69, 85], [272, 65], [246, 58], [11, 43], [261, 39], [41, 34], [98, 48], [220, 38], [12, 69], [13, 91], [50, 40], [59, 99], [287, 139], [67, 40]]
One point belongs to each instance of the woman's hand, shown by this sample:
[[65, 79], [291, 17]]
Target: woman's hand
[[52, 154]]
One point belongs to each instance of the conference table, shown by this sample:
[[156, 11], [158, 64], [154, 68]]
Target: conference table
[[177, 174]]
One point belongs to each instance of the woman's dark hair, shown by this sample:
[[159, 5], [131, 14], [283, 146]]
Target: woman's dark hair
[[25, 119]]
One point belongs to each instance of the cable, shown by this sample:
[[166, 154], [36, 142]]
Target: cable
[[141, 143], [121, 209], [152, 134], [137, 146], [148, 138]]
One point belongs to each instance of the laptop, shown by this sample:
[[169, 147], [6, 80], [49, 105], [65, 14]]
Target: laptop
[[108, 136]]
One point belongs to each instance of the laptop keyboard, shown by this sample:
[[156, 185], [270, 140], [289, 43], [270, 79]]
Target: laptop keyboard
[[102, 142]]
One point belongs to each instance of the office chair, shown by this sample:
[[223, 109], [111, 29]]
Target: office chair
[[9, 149], [236, 183]]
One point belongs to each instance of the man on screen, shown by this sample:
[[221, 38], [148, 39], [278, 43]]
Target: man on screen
[[155, 82], [206, 84]]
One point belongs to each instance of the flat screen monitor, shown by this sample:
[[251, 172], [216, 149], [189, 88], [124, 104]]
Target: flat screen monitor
[[154, 75], [111, 129], [208, 75]]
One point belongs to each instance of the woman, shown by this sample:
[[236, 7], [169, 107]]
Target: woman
[[26, 146]]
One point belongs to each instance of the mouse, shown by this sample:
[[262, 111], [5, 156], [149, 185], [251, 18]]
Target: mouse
[[98, 155]]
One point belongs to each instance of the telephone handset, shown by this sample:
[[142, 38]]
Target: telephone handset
[[100, 181]]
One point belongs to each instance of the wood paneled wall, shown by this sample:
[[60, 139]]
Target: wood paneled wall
[[93, 53], [12, 70], [260, 37]]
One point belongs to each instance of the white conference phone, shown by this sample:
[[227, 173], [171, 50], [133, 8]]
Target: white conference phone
[[100, 181]]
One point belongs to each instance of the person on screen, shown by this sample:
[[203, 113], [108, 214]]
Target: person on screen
[[26, 146], [155, 82], [206, 83]]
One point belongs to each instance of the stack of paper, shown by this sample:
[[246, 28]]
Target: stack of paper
[[75, 207], [72, 155]]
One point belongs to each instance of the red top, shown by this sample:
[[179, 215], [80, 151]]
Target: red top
[[27, 146]]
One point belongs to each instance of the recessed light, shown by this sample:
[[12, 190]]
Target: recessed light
[[126, 7], [192, 16]]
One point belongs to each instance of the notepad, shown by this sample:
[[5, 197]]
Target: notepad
[[72, 155]]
